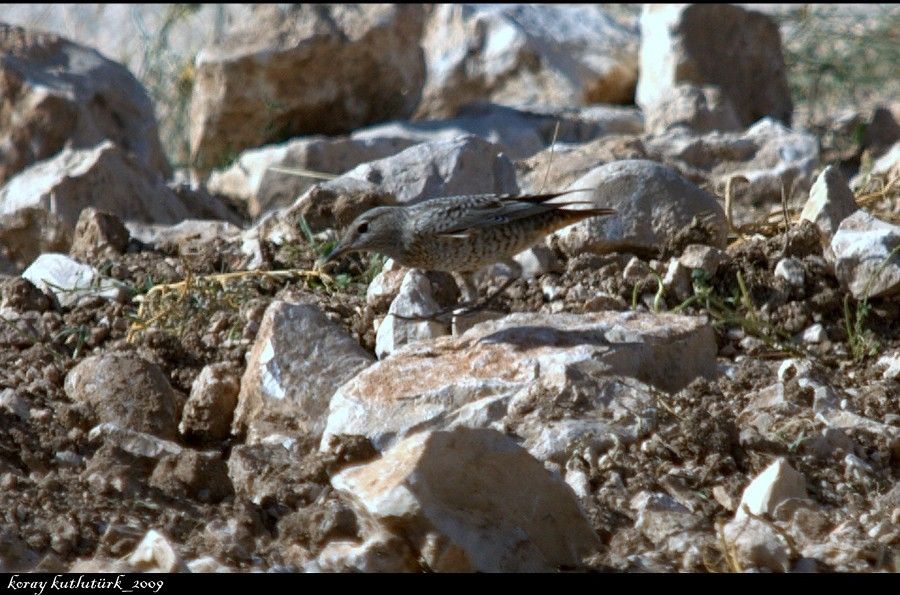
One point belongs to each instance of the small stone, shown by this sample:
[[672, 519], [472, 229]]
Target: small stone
[[155, 553], [127, 391], [865, 255], [415, 299], [751, 344], [778, 482], [380, 552], [98, 233], [209, 410], [21, 295], [635, 270], [678, 280], [791, 270], [605, 301], [14, 403], [794, 368], [70, 281], [200, 476], [138, 444], [724, 498], [700, 256], [891, 364], [207, 565], [385, 286], [551, 291], [814, 334], [830, 202], [580, 483], [538, 260], [757, 545]]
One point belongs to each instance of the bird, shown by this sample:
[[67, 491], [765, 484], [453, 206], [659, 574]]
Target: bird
[[462, 234]]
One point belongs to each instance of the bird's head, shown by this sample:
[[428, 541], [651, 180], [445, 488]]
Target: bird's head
[[376, 230]]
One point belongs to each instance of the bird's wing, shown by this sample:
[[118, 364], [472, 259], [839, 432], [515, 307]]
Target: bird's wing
[[457, 216]]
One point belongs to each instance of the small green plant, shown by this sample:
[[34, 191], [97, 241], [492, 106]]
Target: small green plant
[[373, 264], [737, 310], [169, 79], [175, 308], [320, 248], [75, 336], [861, 340]]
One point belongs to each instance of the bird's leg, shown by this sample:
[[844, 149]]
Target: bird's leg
[[515, 270], [469, 293], [467, 289]]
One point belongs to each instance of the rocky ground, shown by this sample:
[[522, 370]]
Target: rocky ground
[[707, 381]]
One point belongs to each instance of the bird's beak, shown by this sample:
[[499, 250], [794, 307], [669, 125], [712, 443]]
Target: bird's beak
[[336, 252]]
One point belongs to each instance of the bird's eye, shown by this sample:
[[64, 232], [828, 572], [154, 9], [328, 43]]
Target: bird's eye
[[363, 228]]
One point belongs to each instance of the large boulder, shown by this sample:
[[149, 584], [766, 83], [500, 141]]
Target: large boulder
[[866, 252], [725, 45], [653, 204], [258, 177], [462, 165], [518, 132], [126, 391], [305, 69], [106, 178], [472, 500], [558, 166], [526, 54], [699, 109], [298, 360], [59, 94]]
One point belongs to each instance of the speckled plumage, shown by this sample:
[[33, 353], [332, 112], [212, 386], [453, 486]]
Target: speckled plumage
[[461, 233]]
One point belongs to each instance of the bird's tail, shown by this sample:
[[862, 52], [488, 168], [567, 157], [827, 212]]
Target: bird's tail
[[541, 198], [561, 206], [563, 217]]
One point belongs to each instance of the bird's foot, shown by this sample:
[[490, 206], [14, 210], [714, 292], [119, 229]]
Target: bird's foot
[[447, 315], [444, 316]]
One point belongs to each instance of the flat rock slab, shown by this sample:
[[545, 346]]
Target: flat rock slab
[[472, 500], [423, 384]]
